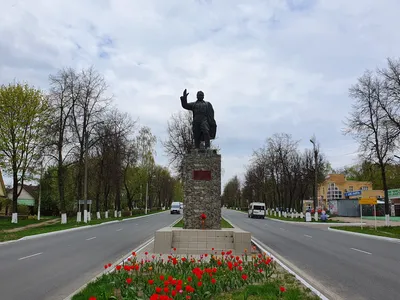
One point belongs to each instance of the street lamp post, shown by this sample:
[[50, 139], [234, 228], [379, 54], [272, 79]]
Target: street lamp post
[[315, 174], [85, 192]]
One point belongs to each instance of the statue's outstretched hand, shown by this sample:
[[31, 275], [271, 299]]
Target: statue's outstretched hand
[[185, 94]]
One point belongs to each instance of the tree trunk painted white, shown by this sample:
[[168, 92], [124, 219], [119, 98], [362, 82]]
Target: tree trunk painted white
[[316, 216], [106, 215], [64, 218], [115, 213], [89, 216], [78, 217], [387, 220], [85, 216], [119, 214], [98, 215], [14, 218]]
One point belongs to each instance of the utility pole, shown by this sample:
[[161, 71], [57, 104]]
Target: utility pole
[[315, 174], [85, 192], [147, 196]]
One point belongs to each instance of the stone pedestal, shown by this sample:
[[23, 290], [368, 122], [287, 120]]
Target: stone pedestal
[[202, 189], [197, 242]]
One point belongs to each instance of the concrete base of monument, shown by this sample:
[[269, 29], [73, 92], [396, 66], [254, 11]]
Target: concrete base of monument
[[197, 241]]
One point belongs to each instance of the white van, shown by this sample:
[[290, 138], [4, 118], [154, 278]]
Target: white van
[[257, 210], [175, 208]]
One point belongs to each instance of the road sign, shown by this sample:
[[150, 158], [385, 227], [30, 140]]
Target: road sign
[[355, 193], [394, 193], [367, 201], [83, 202]]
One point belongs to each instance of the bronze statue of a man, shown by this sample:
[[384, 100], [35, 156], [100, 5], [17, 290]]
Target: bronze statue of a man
[[204, 125]]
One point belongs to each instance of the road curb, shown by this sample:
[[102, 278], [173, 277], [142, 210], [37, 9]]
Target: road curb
[[376, 237], [29, 237], [263, 249], [112, 268]]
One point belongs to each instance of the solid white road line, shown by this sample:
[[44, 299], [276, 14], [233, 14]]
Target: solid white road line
[[91, 238], [362, 251], [119, 229], [309, 236], [25, 257]]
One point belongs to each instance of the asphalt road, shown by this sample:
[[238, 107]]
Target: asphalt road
[[340, 266], [52, 267]]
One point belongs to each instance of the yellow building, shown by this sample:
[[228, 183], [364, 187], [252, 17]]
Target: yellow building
[[336, 185]]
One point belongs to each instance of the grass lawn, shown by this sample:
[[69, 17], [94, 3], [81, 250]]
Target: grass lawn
[[301, 220], [8, 236], [224, 224], [267, 291], [391, 231]]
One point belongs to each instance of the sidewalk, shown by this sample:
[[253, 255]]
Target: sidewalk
[[368, 221], [49, 222]]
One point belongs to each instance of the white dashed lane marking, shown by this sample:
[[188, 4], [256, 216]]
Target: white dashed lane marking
[[362, 251], [29, 256]]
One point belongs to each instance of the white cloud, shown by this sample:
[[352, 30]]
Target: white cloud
[[267, 66]]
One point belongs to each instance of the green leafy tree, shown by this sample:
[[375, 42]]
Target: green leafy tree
[[24, 115], [178, 191]]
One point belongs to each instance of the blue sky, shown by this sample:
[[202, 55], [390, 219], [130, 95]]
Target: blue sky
[[266, 65]]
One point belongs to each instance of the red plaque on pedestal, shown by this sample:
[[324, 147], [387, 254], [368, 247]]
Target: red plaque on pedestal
[[201, 175]]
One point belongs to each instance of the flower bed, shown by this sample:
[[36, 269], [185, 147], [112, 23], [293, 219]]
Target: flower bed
[[187, 277]]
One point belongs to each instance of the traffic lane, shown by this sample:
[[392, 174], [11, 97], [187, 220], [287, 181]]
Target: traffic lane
[[67, 265], [320, 233], [335, 269], [386, 249], [26, 247]]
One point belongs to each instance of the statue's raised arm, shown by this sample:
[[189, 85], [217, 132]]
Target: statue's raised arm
[[185, 104]]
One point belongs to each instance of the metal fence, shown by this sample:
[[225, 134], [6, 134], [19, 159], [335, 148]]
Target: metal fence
[[351, 208]]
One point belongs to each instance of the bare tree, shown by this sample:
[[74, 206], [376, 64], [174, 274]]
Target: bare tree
[[86, 113], [279, 175], [180, 139], [390, 101], [114, 141], [368, 124], [65, 91]]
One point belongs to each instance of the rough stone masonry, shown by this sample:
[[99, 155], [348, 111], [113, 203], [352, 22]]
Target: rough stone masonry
[[202, 189]]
